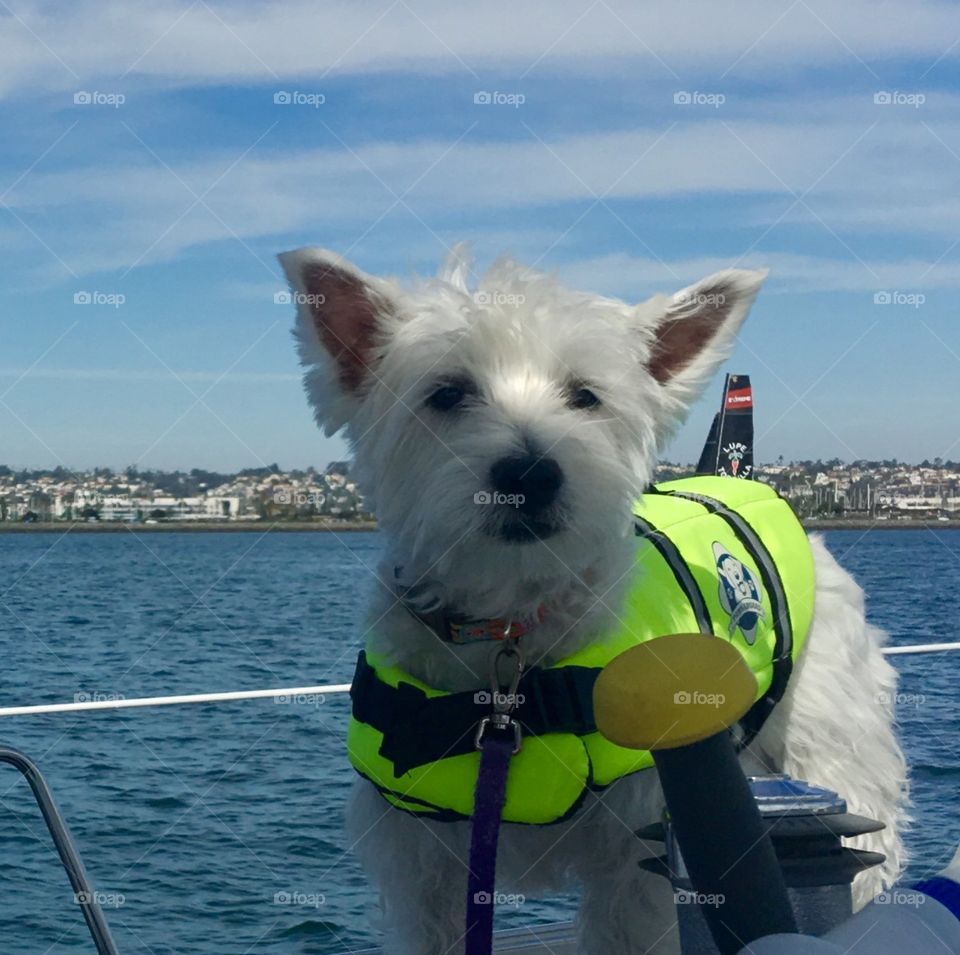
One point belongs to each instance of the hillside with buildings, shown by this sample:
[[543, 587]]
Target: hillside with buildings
[[832, 489], [863, 489], [257, 494]]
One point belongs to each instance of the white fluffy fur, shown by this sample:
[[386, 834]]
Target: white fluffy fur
[[522, 338]]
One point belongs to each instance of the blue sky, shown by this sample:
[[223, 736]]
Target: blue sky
[[820, 140]]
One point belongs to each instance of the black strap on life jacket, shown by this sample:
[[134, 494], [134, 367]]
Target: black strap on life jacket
[[418, 729]]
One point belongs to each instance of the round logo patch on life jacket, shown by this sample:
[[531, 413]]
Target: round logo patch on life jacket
[[740, 593]]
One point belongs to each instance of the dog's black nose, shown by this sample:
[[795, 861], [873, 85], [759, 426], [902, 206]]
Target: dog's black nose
[[533, 481]]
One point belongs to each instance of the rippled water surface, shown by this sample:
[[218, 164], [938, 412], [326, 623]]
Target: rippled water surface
[[217, 829]]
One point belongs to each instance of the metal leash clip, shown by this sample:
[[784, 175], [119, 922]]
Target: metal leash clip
[[503, 703]]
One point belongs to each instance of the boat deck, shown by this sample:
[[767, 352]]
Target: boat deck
[[556, 938]]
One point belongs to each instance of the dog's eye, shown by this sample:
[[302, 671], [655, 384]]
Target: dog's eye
[[580, 397], [447, 396]]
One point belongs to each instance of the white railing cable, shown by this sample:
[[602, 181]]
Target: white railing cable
[[290, 694], [920, 648]]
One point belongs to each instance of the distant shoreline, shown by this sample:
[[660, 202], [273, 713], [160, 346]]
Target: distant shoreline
[[333, 527], [188, 527], [864, 523]]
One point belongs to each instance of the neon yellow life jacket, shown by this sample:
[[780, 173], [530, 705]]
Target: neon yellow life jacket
[[718, 555]]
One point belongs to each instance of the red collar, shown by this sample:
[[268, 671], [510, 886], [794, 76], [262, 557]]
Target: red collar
[[456, 628], [459, 630]]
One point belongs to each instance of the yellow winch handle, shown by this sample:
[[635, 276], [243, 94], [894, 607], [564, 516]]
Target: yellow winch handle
[[672, 691]]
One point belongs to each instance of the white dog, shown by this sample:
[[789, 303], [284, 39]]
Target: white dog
[[437, 386]]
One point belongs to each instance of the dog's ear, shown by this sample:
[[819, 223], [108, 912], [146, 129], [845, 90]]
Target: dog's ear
[[341, 313], [694, 333], [342, 306]]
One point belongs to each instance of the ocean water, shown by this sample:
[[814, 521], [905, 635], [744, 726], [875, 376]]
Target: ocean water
[[217, 829]]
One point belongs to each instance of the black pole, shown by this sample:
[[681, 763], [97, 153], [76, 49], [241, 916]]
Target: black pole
[[82, 887], [726, 849]]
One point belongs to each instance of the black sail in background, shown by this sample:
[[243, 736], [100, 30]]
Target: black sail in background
[[729, 447], [708, 456]]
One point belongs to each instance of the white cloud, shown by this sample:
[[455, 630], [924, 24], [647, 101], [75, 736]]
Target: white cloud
[[889, 178], [140, 376], [637, 278], [181, 43]]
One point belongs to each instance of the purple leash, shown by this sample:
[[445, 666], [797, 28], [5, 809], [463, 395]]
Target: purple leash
[[498, 739], [495, 753]]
